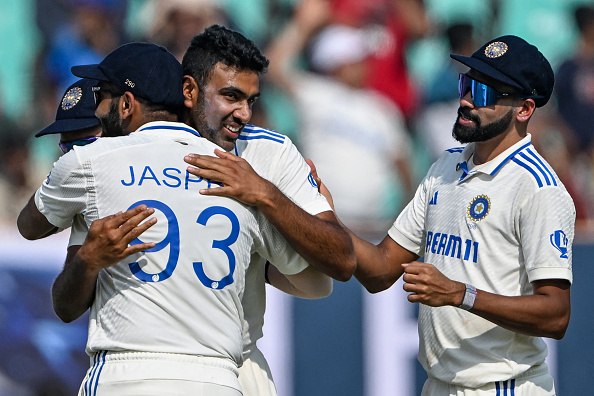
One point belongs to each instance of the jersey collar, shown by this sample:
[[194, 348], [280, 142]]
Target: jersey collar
[[168, 125], [493, 166]]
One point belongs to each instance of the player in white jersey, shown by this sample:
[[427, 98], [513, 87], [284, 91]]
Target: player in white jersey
[[222, 71], [152, 320], [495, 227]]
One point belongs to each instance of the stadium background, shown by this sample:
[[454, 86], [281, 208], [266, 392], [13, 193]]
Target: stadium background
[[350, 343]]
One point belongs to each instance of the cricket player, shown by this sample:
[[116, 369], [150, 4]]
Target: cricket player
[[168, 320], [495, 226]]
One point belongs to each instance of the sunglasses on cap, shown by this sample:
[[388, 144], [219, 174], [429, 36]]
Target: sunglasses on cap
[[67, 146], [482, 94]]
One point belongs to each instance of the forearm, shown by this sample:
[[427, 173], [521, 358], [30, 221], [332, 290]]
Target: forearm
[[32, 224], [320, 239], [309, 283], [73, 290], [544, 314]]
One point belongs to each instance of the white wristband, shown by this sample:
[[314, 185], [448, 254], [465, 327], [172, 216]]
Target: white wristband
[[469, 297]]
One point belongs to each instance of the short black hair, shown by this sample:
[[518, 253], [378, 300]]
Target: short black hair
[[220, 44]]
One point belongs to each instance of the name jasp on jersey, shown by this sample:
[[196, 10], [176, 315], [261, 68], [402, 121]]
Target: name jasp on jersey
[[167, 177]]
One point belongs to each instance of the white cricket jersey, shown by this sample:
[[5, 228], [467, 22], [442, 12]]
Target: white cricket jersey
[[500, 226], [275, 158], [184, 295]]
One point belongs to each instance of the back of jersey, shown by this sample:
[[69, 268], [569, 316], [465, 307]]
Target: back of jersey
[[182, 296]]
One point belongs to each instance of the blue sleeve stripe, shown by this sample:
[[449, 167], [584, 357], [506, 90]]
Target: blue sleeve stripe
[[254, 130], [538, 168], [529, 169], [544, 166], [455, 150], [249, 137]]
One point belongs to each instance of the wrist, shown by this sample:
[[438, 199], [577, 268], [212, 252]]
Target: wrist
[[469, 297]]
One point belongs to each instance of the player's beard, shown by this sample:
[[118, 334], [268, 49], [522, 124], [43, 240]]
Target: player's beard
[[480, 133], [211, 132], [111, 123]]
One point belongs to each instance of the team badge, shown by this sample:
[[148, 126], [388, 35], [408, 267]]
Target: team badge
[[479, 208], [496, 49], [559, 241], [71, 98]]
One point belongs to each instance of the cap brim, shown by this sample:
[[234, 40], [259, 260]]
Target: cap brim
[[482, 67], [65, 126], [89, 71]]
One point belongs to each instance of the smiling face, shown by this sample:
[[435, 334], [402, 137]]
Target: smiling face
[[224, 104]]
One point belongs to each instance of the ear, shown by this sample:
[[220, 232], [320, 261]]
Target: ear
[[190, 91], [526, 110], [128, 105]]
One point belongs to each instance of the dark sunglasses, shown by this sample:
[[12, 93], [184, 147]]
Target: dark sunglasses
[[67, 146], [97, 89], [482, 94]]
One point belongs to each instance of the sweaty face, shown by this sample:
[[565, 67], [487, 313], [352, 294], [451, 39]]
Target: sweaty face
[[224, 104], [476, 131]]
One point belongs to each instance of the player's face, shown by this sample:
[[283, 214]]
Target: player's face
[[479, 124], [224, 106]]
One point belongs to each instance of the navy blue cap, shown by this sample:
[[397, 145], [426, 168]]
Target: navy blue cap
[[76, 110], [147, 70], [516, 63]]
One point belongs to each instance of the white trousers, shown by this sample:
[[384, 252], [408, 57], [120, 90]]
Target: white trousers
[[148, 374], [255, 376], [536, 382]]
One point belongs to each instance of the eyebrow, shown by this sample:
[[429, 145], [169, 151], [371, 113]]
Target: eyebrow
[[239, 92]]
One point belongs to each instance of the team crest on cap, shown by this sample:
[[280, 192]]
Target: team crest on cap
[[71, 98], [495, 49], [479, 208]]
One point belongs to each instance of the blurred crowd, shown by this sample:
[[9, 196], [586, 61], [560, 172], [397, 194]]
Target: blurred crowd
[[366, 89]]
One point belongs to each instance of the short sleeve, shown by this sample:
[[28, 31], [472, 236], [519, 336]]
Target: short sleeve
[[65, 191], [547, 228], [292, 176]]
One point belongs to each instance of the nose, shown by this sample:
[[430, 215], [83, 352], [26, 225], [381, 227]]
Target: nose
[[466, 100], [243, 111]]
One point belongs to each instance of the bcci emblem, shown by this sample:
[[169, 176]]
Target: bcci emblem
[[559, 241], [71, 98], [496, 49], [479, 208]]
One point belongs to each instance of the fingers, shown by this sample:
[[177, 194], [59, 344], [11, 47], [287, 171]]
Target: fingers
[[226, 155], [131, 218]]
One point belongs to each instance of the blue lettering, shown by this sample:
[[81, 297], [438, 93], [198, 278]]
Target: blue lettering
[[428, 244], [467, 250], [475, 256], [131, 174], [442, 243], [166, 173], [455, 244], [189, 180], [147, 169], [435, 241]]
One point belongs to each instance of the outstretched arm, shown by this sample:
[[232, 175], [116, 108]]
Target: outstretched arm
[[106, 244], [319, 239], [378, 266]]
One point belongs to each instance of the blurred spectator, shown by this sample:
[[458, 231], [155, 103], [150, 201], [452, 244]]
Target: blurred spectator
[[574, 93], [435, 121], [394, 24], [574, 88], [356, 137], [173, 23], [94, 29]]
